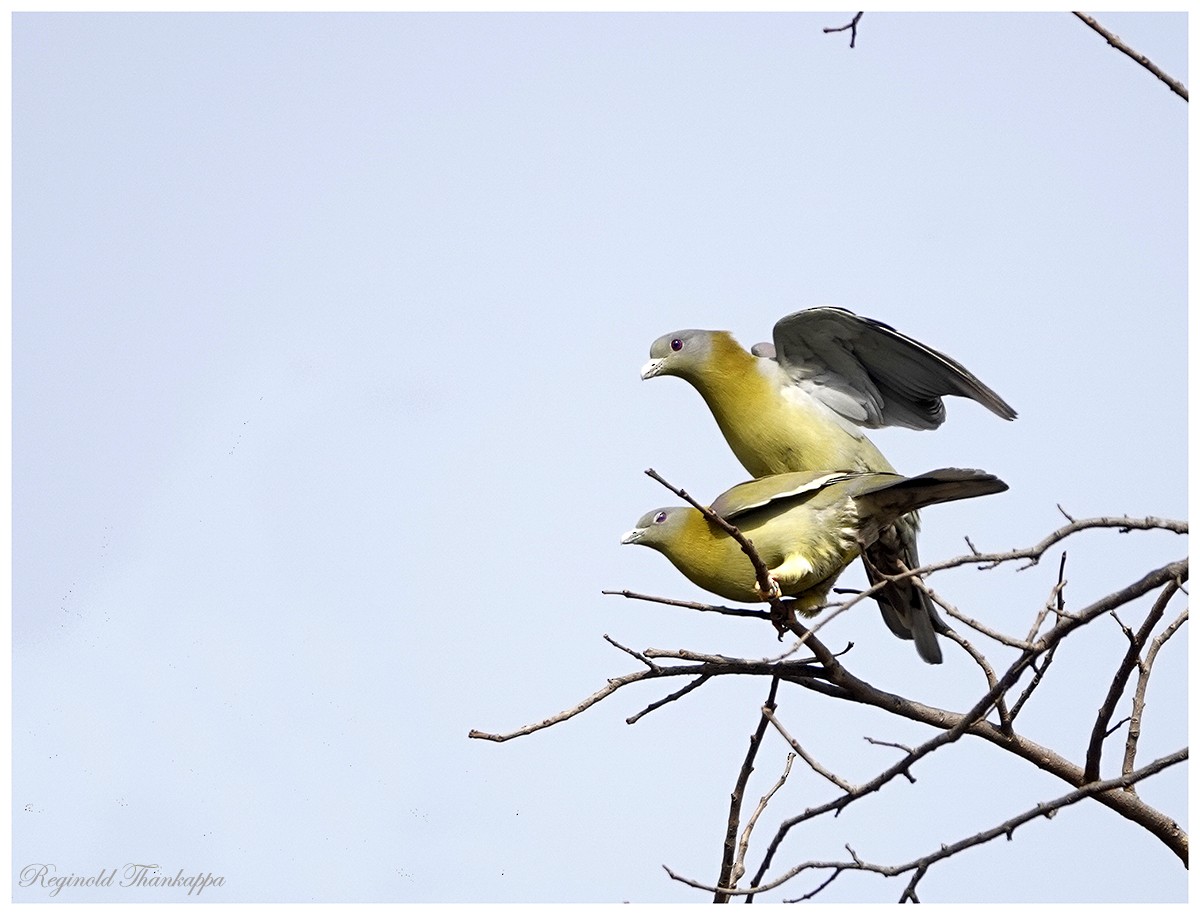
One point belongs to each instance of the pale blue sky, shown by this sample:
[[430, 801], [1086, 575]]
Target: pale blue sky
[[327, 421]]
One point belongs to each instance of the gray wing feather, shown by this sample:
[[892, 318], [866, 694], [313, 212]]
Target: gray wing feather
[[871, 373], [754, 494]]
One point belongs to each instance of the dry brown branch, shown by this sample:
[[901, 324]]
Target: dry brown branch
[[1056, 604], [824, 673], [976, 655], [629, 651], [728, 876], [1033, 554], [920, 865], [692, 605], [798, 750], [1175, 85], [739, 866], [780, 615], [852, 25], [1165, 829], [829, 677], [708, 665], [679, 693], [1139, 693], [1039, 671], [993, 634], [1132, 659]]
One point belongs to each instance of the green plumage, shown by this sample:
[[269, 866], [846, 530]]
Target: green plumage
[[768, 432], [806, 527], [801, 405]]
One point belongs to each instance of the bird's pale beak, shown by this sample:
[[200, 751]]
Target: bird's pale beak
[[633, 536], [652, 368]]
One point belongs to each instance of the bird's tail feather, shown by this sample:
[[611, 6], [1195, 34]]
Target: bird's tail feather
[[907, 610], [893, 499]]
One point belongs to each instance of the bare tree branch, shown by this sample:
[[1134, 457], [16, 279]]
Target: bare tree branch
[[1046, 809], [1039, 671], [739, 866], [1100, 731], [780, 615], [1176, 86], [824, 672], [679, 693], [1139, 694], [1056, 604], [955, 726], [692, 605], [852, 25], [728, 877], [982, 629], [629, 651], [799, 751], [1034, 553], [829, 677]]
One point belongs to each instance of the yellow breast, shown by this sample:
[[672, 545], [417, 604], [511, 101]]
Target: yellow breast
[[804, 550], [771, 425]]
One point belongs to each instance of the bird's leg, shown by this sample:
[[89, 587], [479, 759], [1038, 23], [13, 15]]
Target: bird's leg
[[774, 594], [795, 571]]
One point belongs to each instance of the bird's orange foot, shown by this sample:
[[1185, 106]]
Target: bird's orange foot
[[775, 593]]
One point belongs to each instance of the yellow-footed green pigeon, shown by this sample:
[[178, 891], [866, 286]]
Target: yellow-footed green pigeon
[[806, 527], [802, 404]]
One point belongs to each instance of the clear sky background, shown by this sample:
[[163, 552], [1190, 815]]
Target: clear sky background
[[327, 421]]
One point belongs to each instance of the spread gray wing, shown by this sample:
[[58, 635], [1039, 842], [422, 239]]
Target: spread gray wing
[[871, 373]]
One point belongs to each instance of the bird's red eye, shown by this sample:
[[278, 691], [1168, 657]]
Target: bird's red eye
[[676, 344], [660, 517]]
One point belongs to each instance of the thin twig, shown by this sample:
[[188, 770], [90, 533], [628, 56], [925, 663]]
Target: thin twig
[[953, 611], [1116, 687], [1055, 601], [728, 876], [852, 25], [629, 651], [799, 751], [692, 605], [1033, 554], [1046, 809], [896, 746], [989, 675], [1176, 86], [993, 634], [1039, 671], [739, 866], [679, 693], [1165, 830], [766, 584], [1139, 693]]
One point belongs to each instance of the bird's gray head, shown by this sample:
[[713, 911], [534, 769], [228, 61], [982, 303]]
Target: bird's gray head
[[658, 528], [683, 353]]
